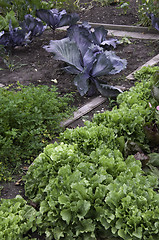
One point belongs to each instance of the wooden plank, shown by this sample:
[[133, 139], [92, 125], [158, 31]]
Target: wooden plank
[[125, 31], [84, 110], [137, 35], [124, 28]]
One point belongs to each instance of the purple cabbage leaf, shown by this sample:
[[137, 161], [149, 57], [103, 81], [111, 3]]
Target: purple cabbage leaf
[[5, 39], [88, 64], [81, 36], [96, 36], [15, 37], [99, 36], [154, 20], [55, 19], [64, 50], [22, 35], [32, 25]]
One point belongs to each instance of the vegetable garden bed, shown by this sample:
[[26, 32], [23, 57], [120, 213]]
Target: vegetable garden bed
[[85, 186]]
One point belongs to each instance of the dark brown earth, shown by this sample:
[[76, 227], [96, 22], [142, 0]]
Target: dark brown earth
[[109, 14], [33, 65]]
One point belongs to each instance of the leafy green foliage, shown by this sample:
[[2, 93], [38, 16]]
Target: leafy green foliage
[[146, 73], [124, 5], [133, 112], [20, 7], [87, 189], [127, 123], [29, 118], [151, 127], [154, 159], [147, 7], [84, 187], [16, 219], [90, 137], [4, 21], [82, 196], [69, 5]]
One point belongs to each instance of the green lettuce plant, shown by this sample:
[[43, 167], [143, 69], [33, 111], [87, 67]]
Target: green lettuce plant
[[90, 137], [133, 111], [86, 196], [86, 189], [152, 127], [16, 218]]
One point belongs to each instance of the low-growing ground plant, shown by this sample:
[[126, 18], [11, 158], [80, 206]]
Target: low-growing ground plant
[[4, 21], [30, 117], [16, 218], [124, 5]]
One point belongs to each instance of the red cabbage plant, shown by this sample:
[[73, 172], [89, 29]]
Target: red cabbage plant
[[97, 36], [55, 19], [154, 20], [22, 35], [87, 61]]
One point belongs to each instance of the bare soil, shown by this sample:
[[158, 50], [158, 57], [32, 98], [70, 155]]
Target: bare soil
[[109, 14]]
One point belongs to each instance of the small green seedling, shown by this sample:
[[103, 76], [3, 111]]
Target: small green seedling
[[125, 40], [125, 6]]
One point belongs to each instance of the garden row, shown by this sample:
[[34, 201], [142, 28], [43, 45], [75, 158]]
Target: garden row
[[30, 122], [99, 181], [19, 26], [74, 184]]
